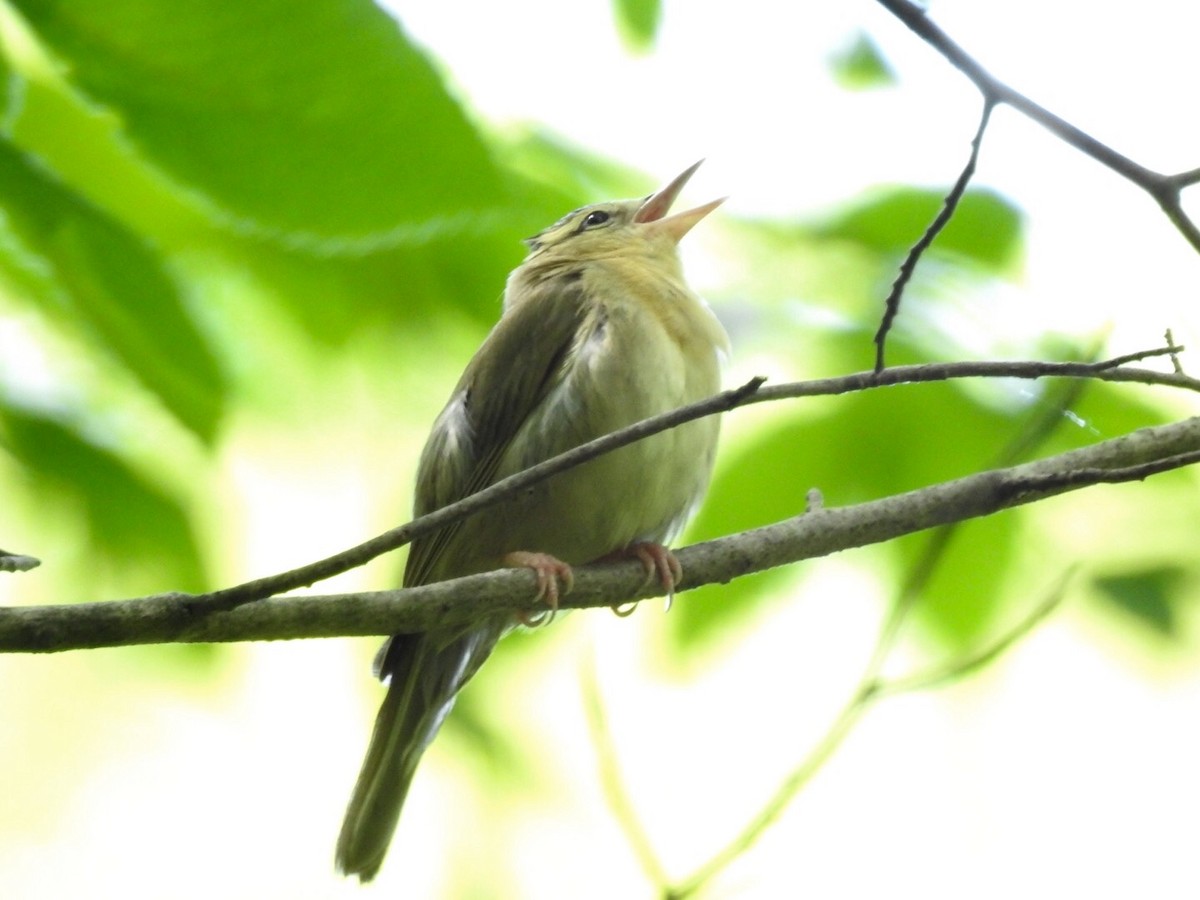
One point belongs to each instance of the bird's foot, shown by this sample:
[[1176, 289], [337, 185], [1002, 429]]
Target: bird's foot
[[657, 560], [550, 570]]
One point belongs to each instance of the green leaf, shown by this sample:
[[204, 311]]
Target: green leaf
[[985, 228], [318, 123], [562, 174], [137, 529], [860, 65], [853, 449], [1104, 411], [402, 286], [638, 22], [1153, 596], [8, 91], [960, 602], [105, 282]]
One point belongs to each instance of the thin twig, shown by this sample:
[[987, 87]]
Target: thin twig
[[751, 392], [1175, 363], [610, 776], [1171, 350], [891, 306], [955, 669], [841, 726], [1086, 476], [17, 562], [363, 553], [1165, 189]]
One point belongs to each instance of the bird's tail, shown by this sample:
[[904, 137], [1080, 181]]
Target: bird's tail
[[425, 673]]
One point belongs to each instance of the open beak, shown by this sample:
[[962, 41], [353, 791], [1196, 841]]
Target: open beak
[[653, 213]]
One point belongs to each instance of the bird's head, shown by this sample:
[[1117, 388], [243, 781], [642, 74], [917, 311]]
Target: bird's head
[[620, 228]]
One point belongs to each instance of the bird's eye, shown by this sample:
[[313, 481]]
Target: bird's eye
[[595, 218]]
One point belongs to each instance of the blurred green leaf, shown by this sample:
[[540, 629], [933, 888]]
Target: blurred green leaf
[[985, 229], [1106, 411], [490, 740], [402, 286], [1153, 597], [852, 448], [318, 122], [879, 443], [133, 526], [8, 91], [562, 174], [860, 65], [960, 601], [398, 288], [638, 21], [101, 279]]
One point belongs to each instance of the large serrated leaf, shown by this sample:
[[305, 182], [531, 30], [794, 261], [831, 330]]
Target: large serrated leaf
[[318, 122], [102, 280]]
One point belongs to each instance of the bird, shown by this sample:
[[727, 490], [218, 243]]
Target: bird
[[598, 330]]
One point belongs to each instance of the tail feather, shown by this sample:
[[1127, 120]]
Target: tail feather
[[426, 672]]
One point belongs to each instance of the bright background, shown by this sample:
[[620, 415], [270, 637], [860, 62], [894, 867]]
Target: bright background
[[337, 316]]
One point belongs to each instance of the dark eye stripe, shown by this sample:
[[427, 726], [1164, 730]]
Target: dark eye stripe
[[594, 219]]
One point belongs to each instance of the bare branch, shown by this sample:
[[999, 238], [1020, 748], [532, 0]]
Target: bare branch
[[17, 562], [956, 669], [892, 303], [1165, 189], [363, 553], [176, 617], [751, 392], [1175, 363]]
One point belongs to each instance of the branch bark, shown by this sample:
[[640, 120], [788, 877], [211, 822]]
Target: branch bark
[[177, 617], [1116, 369]]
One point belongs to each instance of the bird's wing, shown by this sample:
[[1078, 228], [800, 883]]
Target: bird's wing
[[516, 367]]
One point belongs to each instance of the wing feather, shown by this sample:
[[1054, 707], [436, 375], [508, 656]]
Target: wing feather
[[519, 363]]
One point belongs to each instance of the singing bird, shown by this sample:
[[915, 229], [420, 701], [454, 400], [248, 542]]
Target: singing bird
[[599, 330]]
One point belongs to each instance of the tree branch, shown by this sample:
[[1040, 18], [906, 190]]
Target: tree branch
[[891, 306], [17, 562], [751, 392], [1165, 189], [176, 617], [359, 555]]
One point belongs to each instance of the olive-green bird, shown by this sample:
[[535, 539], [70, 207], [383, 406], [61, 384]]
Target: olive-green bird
[[599, 330]]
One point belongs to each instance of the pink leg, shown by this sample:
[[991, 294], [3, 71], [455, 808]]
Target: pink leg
[[549, 571], [657, 560]]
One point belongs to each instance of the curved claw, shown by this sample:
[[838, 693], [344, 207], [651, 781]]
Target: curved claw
[[657, 560], [549, 571]]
